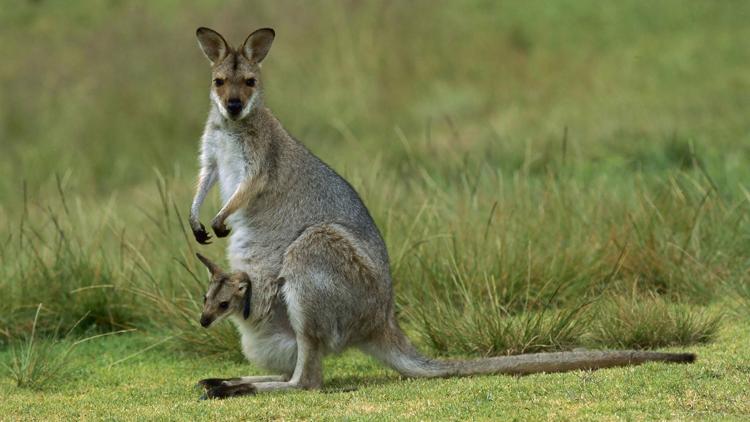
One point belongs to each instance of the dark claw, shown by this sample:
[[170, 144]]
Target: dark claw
[[202, 236], [224, 391], [221, 230]]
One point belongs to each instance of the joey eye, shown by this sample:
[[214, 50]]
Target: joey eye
[[218, 81], [224, 305], [250, 82]]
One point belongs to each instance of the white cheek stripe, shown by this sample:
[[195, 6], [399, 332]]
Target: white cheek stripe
[[250, 105], [215, 98]]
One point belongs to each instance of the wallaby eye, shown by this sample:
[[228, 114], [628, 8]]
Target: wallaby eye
[[224, 305], [205, 298], [218, 81], [250, 82]]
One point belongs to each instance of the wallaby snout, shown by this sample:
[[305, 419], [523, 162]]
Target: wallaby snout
[[234, 106]]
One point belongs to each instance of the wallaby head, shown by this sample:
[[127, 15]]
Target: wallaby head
[[227, 294], [236, 86]]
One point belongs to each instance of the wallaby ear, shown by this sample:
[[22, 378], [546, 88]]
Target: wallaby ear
[[248, 286], [212, 268], [212, 43], [257, 44]]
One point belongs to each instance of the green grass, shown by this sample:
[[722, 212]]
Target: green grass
[[546, 176], [159, 384], [35, 363], [643, 322], [38, 363]]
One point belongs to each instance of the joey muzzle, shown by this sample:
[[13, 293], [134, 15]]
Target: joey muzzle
[[206, 321]]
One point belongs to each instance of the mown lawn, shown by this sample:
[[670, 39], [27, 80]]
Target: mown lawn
[[159, 384]]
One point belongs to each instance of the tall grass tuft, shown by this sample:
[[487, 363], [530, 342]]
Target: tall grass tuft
[[484, 330], [65, 257], [503, 274], [35, 363], [38, 362], [649, 321]]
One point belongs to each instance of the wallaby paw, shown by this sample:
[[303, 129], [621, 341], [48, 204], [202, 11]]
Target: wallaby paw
[[225, 391], [202, 235], [220, 229]]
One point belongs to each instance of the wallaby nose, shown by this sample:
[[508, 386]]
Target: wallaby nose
[[234, 105], [205, 321]]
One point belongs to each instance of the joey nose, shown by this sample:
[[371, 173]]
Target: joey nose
[[234, 106], [205, 321]]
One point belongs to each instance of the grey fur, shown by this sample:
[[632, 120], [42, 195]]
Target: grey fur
[[316, 262]]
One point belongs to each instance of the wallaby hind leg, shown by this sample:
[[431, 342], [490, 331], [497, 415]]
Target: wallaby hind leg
[[332, 290], [308, 374]]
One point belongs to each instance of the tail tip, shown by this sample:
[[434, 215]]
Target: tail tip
[[685, 357]]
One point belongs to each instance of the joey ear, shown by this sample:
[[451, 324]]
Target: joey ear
[[257, 44], [248, 286], [212, 268], [212, 43]]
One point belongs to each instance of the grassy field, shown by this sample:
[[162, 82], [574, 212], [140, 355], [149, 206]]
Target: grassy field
[[158, 385], [546, 175]]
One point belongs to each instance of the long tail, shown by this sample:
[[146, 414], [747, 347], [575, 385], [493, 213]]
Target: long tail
[[395, 350]]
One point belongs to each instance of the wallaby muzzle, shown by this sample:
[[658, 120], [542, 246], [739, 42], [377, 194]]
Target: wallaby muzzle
[[234, 106]]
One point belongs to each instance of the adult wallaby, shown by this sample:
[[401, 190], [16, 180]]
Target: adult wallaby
[[310, 272]]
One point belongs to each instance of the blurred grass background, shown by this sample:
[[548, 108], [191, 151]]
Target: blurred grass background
[[546, 174]]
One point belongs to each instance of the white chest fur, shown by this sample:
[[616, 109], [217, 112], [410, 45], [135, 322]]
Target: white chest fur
[[228, 149]]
